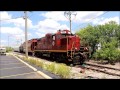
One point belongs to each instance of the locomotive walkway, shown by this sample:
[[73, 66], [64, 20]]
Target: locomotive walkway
[[11, 68]]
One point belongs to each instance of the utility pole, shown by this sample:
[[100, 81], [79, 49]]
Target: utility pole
[[119, 30], [119, 17], [26, 48], [68, 14], [8, 40], [70, 21], [0, 32], [21, 41]]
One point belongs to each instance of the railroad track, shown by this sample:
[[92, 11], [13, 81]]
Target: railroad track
[[103, 69]]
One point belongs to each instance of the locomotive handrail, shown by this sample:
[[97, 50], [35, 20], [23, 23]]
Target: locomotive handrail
[[67, 46], [72, 49]]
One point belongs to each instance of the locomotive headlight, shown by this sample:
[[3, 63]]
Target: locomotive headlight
[[75, 48], [86, 48]]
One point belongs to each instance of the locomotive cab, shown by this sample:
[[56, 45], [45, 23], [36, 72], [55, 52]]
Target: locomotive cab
[[65, 40]]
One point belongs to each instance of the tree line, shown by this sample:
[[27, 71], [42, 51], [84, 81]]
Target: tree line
[[106, 36]]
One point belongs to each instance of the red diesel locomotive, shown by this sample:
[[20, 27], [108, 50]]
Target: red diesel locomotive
[[60, 46]]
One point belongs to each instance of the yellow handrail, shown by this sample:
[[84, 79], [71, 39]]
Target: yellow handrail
[[67, 46], [71, 49]]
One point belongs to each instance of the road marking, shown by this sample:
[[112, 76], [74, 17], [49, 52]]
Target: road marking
[[17, 75], [39, 72], [26, 64], [12, 68], [46, 76], [10, 63]]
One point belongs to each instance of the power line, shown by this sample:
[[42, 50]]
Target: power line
[[30, 15], [92, 19]]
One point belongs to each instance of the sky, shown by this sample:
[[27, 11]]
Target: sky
[[12, 23]]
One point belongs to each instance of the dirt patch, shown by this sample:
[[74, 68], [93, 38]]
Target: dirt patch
[[90, 74], [80, 73]]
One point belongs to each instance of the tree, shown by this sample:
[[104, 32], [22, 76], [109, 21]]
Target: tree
[[108, 35], [90, 36]]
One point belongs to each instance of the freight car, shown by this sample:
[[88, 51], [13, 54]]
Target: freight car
[[60, 46], [31, 44]]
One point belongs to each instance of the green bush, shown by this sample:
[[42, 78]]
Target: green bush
[[40, 63], [111, 55], [25, 59], [32, 61], [9, 49], [109, 51], [51, 67]]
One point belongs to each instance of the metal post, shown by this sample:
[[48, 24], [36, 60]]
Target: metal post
[[0, 32], [70, 21], [68, 16], [26, 48], [119, 17], [8, 40], [21, 41], [119, 31]]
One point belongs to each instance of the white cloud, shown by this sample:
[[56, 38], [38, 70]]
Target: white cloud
[[54, 15], [85, 16], [3, 41], [40, 34], [103, 20], [50, 26], [81, 17], [20, 37], [11, 30], [18, 22], [14, 33], [4, 15]]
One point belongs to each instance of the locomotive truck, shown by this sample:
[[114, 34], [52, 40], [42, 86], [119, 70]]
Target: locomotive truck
[[60, 46]]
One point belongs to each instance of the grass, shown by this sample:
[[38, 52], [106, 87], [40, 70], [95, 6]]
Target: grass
[[63, 70], [58, 69]]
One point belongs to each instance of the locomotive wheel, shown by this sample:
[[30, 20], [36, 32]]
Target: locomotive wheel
[[82, 59], [68, 62], [36, 54], [81, 62], [78, 59], [52, 56]]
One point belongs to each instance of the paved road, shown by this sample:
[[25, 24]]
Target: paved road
[[11, 68]]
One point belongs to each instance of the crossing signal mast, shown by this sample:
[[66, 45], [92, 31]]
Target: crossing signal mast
[[68, 14]]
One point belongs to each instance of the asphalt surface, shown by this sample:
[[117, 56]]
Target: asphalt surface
[[11, 68], [53, 76]]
